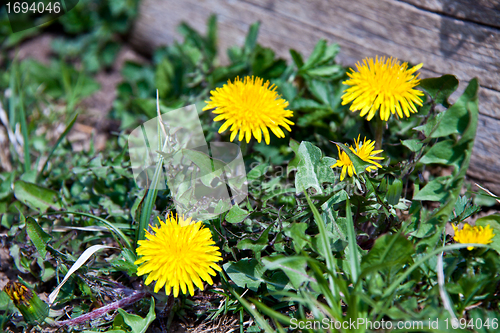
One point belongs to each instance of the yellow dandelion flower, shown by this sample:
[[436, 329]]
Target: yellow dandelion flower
[[178, 254], [476, 234], [384, 85], [250, 108], [364, 151]]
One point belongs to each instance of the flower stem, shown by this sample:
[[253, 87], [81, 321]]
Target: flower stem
[[379, 133], [243, 147]]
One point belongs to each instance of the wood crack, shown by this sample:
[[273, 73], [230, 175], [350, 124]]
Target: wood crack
[[451, 16]]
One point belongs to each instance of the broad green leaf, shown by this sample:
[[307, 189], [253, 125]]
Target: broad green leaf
[[413, 144], [245, 273], [294, 163], [20, 261], [321, 90], [443, 152], [306, 104], [457, 118], [39, 237], [36, 197], [394, 190], [137, 323], [315, 118], [257, 171], [294, 267], [441, 216], [279, 281], [313, 169], [332, 71], [297, 58], [389, 252], [251, 39], [127, 265], [288, 90], [431, 125], [335, 225], [255, 245], [211, 39], [164, 77], [434, 190], [6, 185], [316, 55], [278, 192], [453, 121], [236, 214], [209, 167], [440, 88], [331, 51], [494, 222], [297, 231]]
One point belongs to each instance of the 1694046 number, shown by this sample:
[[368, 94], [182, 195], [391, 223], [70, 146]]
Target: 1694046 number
[[473, 324], [26, 14], [33, 7]]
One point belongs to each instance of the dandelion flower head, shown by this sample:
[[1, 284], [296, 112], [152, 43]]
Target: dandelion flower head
[[249, 107], [383, 85], [476, 234], [365, 151], [177, 255]]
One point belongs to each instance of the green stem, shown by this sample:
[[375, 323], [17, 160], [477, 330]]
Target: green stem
[[379, 133], [113, 228], [24, 129], [243, 147]]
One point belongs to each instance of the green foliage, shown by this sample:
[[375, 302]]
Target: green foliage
[[313, 169], [302, 245], [136, 323]]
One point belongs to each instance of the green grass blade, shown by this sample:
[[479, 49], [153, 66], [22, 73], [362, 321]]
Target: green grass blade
[[153, 188], [258, 318], [12, 98], [353, 245], [149, 202], [61, 137], [403, 276], [330, 261], [110, 225], [277, 316], [24, 128]]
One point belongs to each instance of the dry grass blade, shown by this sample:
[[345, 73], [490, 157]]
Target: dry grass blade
[[445, 298], [489, 192], [81, 260]]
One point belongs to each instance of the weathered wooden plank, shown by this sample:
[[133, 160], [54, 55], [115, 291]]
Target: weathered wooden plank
[[485, 12], [407, 29], [484, 160]]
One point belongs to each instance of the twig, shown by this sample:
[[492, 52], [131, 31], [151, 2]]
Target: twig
[[487, 191], [102, 310]]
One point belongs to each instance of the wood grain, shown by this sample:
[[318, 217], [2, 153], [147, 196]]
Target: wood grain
[[484, 12], [449, 36]]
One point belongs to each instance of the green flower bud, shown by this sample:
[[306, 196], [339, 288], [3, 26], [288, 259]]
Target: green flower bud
[[33, 309]]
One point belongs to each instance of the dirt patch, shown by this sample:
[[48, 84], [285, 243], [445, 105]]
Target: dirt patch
[[38, 48], [93, 123], [97, 106]]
